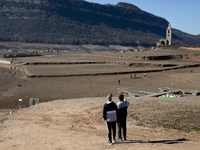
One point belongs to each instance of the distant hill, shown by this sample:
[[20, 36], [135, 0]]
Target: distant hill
[[187, 38], [81, 22]]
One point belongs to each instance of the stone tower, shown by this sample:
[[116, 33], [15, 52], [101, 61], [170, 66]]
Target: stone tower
[[169, 35]]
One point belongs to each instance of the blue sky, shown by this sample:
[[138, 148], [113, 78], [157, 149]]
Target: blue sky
[[183, 15]]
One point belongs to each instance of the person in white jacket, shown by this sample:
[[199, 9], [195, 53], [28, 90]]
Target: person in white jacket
[[122, 106], [110, 117]]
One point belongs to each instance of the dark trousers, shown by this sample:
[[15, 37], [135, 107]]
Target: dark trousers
[[121, 124], [111, 128]]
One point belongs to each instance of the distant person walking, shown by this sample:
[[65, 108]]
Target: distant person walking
[[110, 117], [118, 82], [145, 75], [121, 117]]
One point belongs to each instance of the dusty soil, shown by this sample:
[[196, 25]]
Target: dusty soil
[[86, 80], [74, 119], [191, 48], [78, 124]]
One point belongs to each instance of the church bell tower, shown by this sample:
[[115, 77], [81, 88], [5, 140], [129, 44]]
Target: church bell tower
[[169, 35]]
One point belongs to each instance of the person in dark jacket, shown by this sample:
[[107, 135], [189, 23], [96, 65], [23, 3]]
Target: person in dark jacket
[[110, 117], [122, 106]]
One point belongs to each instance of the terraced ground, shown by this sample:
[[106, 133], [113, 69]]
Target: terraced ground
[[75, 87], [52, 77]]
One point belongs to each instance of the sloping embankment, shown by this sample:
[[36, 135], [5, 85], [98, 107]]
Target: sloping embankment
[[159, 57], [116, 73]]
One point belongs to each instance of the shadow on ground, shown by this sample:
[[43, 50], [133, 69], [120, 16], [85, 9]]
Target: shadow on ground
[[154, 142]]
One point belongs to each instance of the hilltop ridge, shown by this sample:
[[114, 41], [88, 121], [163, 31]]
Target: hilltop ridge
[[81, 22]]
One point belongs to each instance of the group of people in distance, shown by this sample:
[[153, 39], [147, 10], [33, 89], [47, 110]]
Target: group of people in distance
[[115, 113]]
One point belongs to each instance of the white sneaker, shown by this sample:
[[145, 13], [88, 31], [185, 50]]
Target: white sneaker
[[109, 143], [113, 141]]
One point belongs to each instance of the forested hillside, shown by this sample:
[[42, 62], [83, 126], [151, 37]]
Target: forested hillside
[[79, 22]]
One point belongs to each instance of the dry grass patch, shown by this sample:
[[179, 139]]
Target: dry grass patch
[[173, 113]]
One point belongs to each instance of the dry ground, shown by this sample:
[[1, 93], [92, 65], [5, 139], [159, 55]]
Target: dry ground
[[15, 85], [78, 124], [75, 121]]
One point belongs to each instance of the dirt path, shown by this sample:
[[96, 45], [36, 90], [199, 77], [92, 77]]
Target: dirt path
[[78, 124]]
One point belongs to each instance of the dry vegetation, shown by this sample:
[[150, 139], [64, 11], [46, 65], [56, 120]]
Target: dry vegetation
[[174, 113]]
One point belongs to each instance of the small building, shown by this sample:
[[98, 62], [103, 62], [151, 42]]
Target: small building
[[168, 40]]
